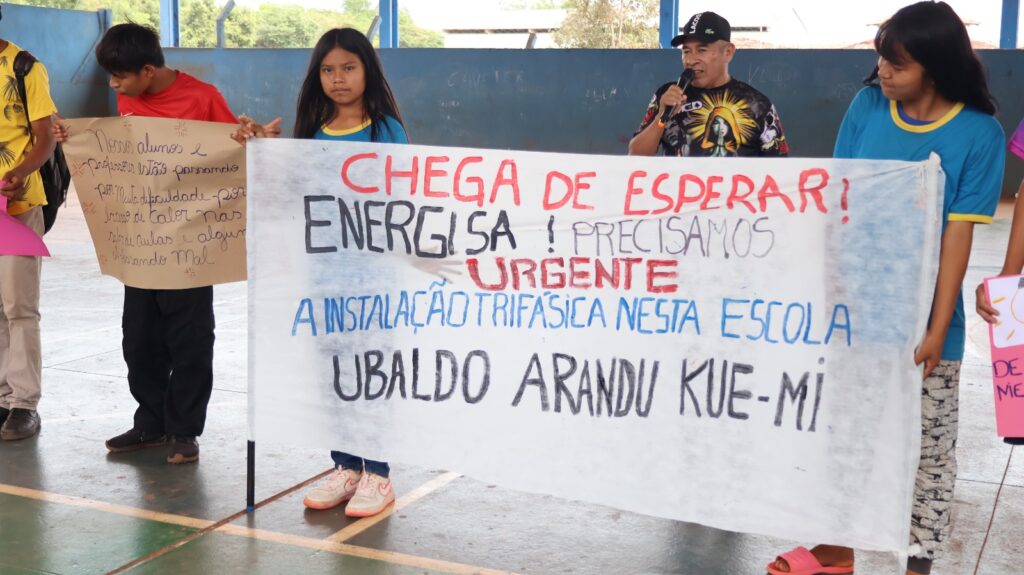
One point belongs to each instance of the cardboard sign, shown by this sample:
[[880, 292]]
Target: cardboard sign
[[164, 199]]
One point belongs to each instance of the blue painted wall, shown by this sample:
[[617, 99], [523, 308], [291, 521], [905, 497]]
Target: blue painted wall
[[63, 40], [586, 101]]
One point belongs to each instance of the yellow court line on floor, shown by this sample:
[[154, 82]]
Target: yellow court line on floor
[[203, 532], [107, 507], [358, 551], [408, 499], [273, 536]]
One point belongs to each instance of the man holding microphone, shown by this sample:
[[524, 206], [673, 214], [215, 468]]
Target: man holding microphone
[[708, 112]]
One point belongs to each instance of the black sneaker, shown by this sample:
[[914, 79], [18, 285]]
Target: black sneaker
[[20, 424], [4, 412], [183, 450], [134, 440]]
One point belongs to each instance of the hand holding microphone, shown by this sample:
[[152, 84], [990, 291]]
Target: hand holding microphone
[[674, 97]]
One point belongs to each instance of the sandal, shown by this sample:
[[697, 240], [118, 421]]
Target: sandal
[[803, 562]]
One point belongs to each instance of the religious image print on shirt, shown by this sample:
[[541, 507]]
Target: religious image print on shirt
[[730, 120]]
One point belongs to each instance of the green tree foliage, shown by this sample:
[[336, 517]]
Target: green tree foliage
[[412, 36], [534, 4], [361, 11], [63, 4], [146, 12], [609, 24], [240, 28], [268, 26], [284, 27], [198, 23]]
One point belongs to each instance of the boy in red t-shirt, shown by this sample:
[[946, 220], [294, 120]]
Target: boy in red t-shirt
[[168, 334], [131, 54]]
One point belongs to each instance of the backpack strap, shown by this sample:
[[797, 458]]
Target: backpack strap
[[23, 63]]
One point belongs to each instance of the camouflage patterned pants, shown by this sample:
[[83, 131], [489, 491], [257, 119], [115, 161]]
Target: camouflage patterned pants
[[936, 473]]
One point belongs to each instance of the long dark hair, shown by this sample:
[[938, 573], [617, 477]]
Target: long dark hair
[[315, 109], [935, 37]]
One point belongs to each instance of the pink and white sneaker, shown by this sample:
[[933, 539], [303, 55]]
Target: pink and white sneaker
[[338, 488], [372, 496]]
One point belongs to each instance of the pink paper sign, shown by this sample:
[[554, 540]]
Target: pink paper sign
[[17, 239], [1017, 140], [1007, 337]]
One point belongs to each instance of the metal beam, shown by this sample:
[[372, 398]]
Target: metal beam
[[106, 16], [394, 24], [1008, 31], [389, 23], [374, 29], [220, 21], [669, 22], [169, 24], [106, 21]]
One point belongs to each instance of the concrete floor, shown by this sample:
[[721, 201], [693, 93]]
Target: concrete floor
[[66, 506]]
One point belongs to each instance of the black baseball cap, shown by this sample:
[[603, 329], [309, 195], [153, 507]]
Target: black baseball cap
[[706, 27]]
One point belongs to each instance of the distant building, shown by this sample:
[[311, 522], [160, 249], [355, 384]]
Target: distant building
[[869, 44], [498, 29], [762, 26]]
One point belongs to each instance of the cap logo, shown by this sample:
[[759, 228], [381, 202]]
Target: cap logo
[[709, 31], [695, 22]]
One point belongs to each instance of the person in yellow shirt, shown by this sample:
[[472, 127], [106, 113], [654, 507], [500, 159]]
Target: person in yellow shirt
[[26, 142]]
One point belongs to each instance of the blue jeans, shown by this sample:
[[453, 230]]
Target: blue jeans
[[347, 461]]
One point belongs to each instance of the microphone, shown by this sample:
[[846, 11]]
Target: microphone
[[684, 82]]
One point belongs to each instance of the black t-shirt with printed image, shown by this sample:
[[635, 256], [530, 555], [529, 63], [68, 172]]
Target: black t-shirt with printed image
[[731, 120]]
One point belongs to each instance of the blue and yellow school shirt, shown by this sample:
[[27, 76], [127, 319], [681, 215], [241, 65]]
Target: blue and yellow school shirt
[[390, 132], [970, 145], [15, 125]]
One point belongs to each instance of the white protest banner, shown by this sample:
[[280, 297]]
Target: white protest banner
[[721, 341], [164, 199]]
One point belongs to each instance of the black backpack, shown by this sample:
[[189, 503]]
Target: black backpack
[[55, 173]]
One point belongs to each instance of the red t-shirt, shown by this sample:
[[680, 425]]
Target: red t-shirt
[[186, 99]]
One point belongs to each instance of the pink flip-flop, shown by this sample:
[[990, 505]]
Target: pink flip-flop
[[803, 562]]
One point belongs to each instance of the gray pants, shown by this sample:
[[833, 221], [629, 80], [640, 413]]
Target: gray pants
[[21, 362], [936, 473]]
